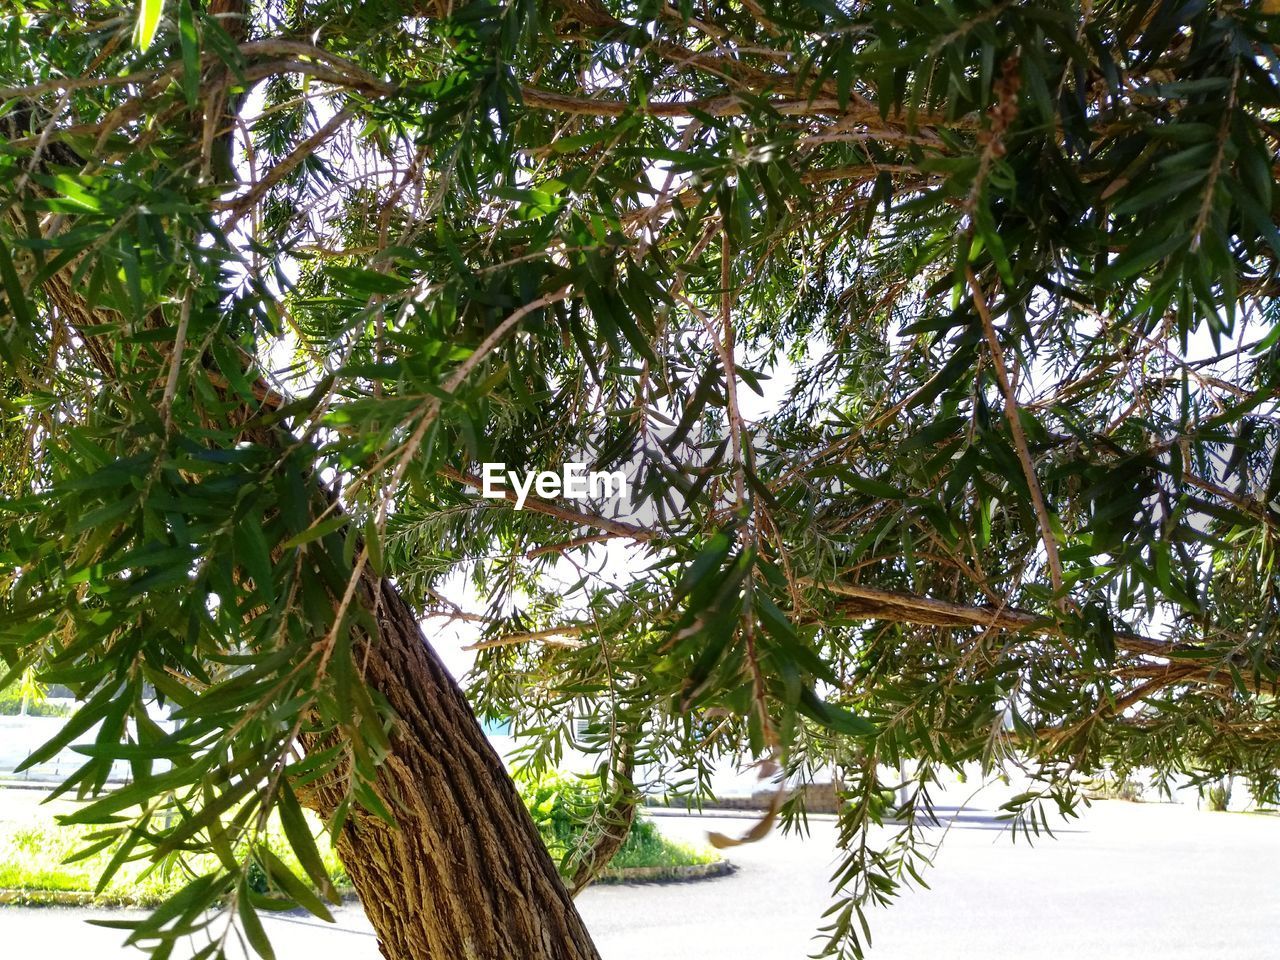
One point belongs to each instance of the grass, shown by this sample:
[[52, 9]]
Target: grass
[[646, 847], [33, 852], [33, 848]]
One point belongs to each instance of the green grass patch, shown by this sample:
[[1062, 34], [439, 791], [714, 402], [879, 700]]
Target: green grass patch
[[34, 850], [645, 846]]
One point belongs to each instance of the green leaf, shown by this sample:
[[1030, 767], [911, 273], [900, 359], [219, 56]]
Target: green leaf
[[369, 282], [84, 718], [294, 888], [1161, 191], [121, 855], [834, 717], [79, 198], [132, 795], [303, 843], [148, 22], [14, 291], [252, 924], [871, 487], [252, 551], [317, 530], [190, 39], [373, 544]]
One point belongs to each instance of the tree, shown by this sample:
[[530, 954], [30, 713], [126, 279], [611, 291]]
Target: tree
[[279, 278]]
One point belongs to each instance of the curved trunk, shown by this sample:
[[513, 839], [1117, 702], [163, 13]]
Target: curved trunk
[[465, 875], [613, 824]]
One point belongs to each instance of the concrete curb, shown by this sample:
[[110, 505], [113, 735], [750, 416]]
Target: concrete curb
[[53, 898], [83, 898], [685, 874], [725, 813]]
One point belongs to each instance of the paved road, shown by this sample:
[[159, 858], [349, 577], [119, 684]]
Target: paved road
[[1127, 881]]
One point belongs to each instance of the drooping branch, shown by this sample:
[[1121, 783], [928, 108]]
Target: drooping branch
[[874, 603], [441, 774], [560, 636]]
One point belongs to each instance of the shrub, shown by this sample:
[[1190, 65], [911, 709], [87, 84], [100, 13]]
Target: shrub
[[1115, 788], [1219, 796], [37, 705], [33, 852], [561, 808]]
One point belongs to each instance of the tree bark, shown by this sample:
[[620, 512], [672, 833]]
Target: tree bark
[[463, 875], [613, 823]]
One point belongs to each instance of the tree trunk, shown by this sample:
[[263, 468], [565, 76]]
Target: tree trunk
[[465, 875]]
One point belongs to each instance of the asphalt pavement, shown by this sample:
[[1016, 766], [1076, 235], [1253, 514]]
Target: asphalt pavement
[[1126, 881]]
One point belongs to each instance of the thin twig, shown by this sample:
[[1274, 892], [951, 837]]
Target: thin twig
[[243, 204], [175, 361], [727, 348], [1015, 428], [561, 636], [499, 333]]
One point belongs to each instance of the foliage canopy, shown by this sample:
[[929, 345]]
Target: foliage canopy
[[276, 282]]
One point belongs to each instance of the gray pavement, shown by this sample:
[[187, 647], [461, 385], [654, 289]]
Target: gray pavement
[[1126, 881]]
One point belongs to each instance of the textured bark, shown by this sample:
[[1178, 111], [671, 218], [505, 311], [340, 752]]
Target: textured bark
[[464, 875], [613, 824]]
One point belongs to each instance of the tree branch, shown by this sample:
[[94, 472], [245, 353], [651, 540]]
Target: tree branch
[[560, 636], [1019, 438]]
